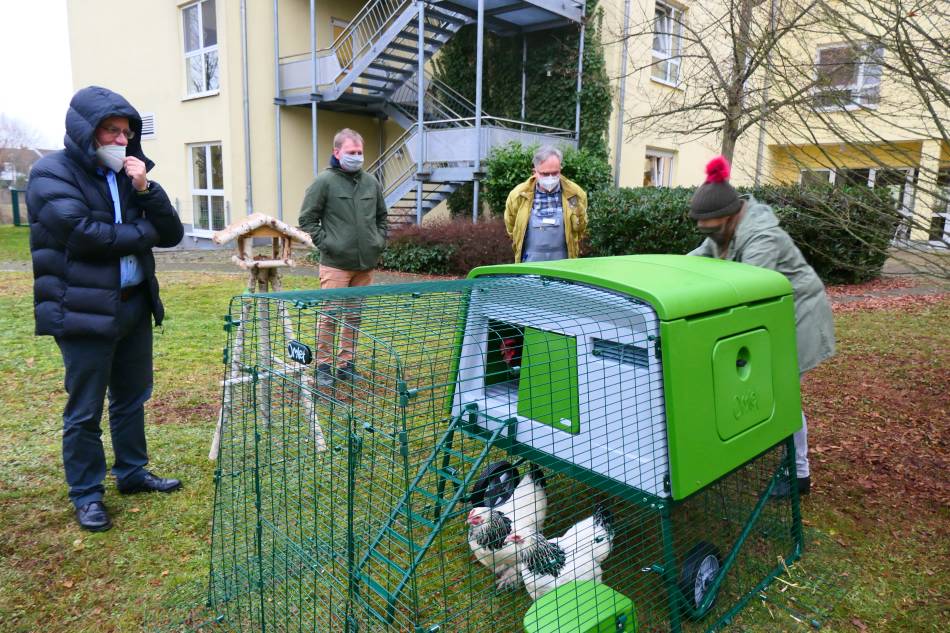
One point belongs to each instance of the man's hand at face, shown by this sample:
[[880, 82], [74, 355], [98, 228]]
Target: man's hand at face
[[135, 169]]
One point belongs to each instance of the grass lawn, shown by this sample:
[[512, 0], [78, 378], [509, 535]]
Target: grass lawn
[[14, 243], [877, 518]]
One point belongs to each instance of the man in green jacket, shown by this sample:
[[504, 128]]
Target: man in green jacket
[[345, 213], [748, 231]]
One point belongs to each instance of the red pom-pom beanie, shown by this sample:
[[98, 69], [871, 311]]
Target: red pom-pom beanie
[[715, 198]]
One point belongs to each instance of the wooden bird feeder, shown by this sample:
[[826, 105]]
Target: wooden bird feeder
[[264, 276], [282, 237]]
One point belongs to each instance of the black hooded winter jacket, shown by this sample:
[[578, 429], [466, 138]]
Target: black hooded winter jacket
[[74, 240]]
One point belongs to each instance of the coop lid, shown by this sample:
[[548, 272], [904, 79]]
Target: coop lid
[[677, 286]]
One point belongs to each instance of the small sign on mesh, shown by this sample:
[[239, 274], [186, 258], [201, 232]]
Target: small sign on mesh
[[299, 352]]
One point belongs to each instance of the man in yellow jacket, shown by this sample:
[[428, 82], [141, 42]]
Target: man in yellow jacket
[[546, 215]]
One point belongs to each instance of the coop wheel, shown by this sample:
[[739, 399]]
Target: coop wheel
[[697, 573], [495, 485]]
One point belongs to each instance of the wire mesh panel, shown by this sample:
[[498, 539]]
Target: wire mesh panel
[[495, 457]]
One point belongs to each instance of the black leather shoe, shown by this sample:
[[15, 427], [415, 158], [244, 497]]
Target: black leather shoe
[[348, 373], [93, 517], [151, 483], [782, 489], [324, 375]]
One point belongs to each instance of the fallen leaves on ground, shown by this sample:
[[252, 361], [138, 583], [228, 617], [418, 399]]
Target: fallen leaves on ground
[[878, 420]]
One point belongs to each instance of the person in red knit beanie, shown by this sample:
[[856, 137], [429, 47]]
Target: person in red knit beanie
[[747, 231]]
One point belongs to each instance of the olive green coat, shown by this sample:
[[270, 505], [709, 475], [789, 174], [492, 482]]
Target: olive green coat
[[518, 212], [345, 214], [760, 241]]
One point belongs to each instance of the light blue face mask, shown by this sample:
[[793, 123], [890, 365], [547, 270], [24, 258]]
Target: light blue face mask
[[351, 162], [112, 156]]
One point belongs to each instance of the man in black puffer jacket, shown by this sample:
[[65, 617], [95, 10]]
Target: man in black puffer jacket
[[94, 218]]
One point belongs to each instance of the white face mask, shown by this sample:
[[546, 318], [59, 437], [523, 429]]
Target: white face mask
[[112, 156], [548, 183], [351, 162]]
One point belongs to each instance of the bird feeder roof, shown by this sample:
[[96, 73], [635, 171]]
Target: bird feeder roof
[[252, 224]]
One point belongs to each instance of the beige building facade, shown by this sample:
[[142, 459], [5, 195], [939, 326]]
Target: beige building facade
[[230, 118]]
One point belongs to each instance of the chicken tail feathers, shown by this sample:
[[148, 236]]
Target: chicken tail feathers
[[537, 475], [604, 518]]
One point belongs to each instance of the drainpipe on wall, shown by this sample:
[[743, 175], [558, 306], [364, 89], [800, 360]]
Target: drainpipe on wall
[[248, 192], [277, 107], [618, 148], [760, 153]]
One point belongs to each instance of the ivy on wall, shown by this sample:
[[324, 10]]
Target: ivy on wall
[[550, 73]]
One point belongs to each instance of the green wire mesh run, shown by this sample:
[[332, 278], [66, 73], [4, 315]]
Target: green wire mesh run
[[367, 505]]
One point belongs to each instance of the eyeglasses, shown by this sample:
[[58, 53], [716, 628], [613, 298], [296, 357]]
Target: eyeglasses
[[114, 131]]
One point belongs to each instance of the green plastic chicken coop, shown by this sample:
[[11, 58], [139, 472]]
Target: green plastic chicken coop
[[644, 405]]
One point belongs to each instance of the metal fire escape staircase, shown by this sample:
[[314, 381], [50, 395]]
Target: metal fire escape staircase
[[371, 67]]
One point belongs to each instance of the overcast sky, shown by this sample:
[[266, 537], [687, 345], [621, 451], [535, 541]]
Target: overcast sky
[[34, 58]]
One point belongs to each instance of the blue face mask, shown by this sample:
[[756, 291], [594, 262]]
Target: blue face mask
[[351, 162]]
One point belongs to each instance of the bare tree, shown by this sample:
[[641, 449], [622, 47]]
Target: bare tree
[[18, 142], [809, 78], [714, 59]]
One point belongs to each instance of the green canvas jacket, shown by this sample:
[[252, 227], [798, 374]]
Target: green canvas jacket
[[760, 241], [345, 214]]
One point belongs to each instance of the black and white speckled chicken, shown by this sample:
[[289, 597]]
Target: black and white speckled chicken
[[577, 555], [489, 528]]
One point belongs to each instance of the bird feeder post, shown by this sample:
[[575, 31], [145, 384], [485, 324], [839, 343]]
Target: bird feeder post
[[264, 275]]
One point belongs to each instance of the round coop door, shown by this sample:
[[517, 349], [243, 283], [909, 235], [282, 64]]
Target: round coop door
[[742, 370]]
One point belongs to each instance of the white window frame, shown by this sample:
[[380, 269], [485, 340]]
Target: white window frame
[[941, 209], [199, 52], [663, 158], [907, 200], [672, 57], [870, 56], [208, 192]]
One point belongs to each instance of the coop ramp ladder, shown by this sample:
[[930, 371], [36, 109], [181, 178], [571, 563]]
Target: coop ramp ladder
[[424, 510]]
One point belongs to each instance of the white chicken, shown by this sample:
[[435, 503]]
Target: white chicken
[[489, 528], [577, 555]]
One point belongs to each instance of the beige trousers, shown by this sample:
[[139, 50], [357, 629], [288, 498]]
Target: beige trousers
[[327, 329]]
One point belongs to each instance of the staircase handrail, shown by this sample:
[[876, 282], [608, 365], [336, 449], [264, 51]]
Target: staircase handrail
[[381, 166], [368, 23], [511, 124]]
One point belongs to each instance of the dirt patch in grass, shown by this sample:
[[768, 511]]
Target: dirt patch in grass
[[178, 406]]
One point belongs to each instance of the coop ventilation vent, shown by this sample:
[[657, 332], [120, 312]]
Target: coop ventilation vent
[[624, 353]]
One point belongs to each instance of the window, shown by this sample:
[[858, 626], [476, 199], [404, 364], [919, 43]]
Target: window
[[816, 177], [658, 169], [940, 221], [848, 76], [207, 187], [667, 36], [201, 47], [898, 181]]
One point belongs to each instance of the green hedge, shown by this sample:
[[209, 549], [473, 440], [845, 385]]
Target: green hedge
[[447, 248], [844, 232], [642, 220]]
